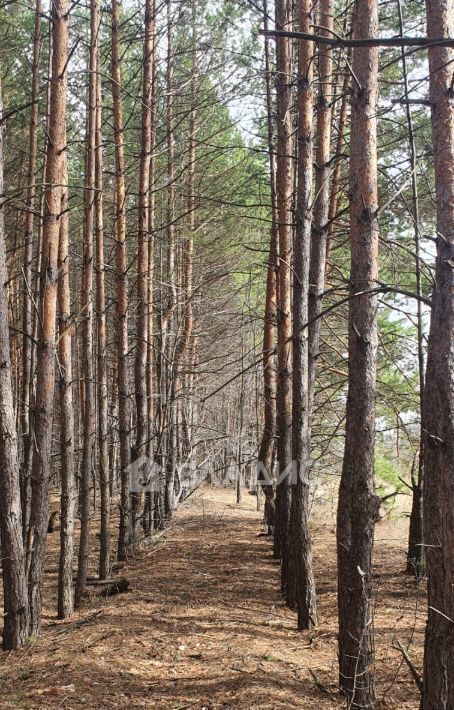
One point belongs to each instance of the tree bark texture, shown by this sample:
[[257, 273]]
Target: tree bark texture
[[438, 417], [358, 505]]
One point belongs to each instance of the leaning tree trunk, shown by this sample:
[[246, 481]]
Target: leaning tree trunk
[[358, 507], [45, 385], [121, 266], [65, 574], [301, 585], [284, 194], [15, 611], [438, 418]]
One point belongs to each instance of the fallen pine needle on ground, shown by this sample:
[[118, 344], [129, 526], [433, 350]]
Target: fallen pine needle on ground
[[202, 624]]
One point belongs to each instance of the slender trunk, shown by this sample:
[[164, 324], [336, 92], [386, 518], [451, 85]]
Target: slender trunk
[[267, 443], [438, 417], [27, 313], [15, 604], [87, 307], [187, 257], [45, 385], [284, 199], [140, 370], [239, 466], [341, 121], [122, 288], [101, 317], [322, 195], [160, 380], [358, 505], [300, 584], [65, 575], [172, 295], [150, 282], [187, 317], [150, 360], [38, 298], [415, 553], [143, 231], [113, 444], [15, 300], [149, 504]]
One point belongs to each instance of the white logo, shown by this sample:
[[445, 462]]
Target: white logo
[[145, 475]]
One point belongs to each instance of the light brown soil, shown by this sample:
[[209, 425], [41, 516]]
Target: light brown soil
[[203, 626]]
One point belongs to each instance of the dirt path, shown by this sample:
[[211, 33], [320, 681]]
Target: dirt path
[[203, 626]]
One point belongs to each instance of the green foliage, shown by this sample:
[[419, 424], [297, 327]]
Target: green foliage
[[386, 471]]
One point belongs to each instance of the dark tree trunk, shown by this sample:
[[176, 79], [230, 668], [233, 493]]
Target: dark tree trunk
[[300, 586], [284, 200], [415, 554], [438, 417], [358, 505], [267, 443], [149, 502], [121, 265], [27, 313], [88, 412], [322, 194], [67, 499], [15, 611], [45, 386], [170, 306], [101, 322], [339, 120], [140, 369]]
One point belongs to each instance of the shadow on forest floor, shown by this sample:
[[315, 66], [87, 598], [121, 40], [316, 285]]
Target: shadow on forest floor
[[203, 625]]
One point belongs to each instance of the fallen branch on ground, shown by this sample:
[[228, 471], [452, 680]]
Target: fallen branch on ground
[[397, 645]]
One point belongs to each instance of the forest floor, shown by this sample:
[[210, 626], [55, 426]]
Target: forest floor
[[203, 627]]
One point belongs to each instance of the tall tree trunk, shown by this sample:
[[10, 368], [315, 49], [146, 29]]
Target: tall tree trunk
[[358, 505], [187, 316], [15, 605], [322, 195], [140, 370], [37, 294], [101, 318], [151, 227], [340, 120], [300, 585], [267, 443], [171, 304], [415, 553], [121, 266], [65, 575], [149, 505], [27, 312], [284, 199], [438, 417], [87, 307], [45, 385]]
